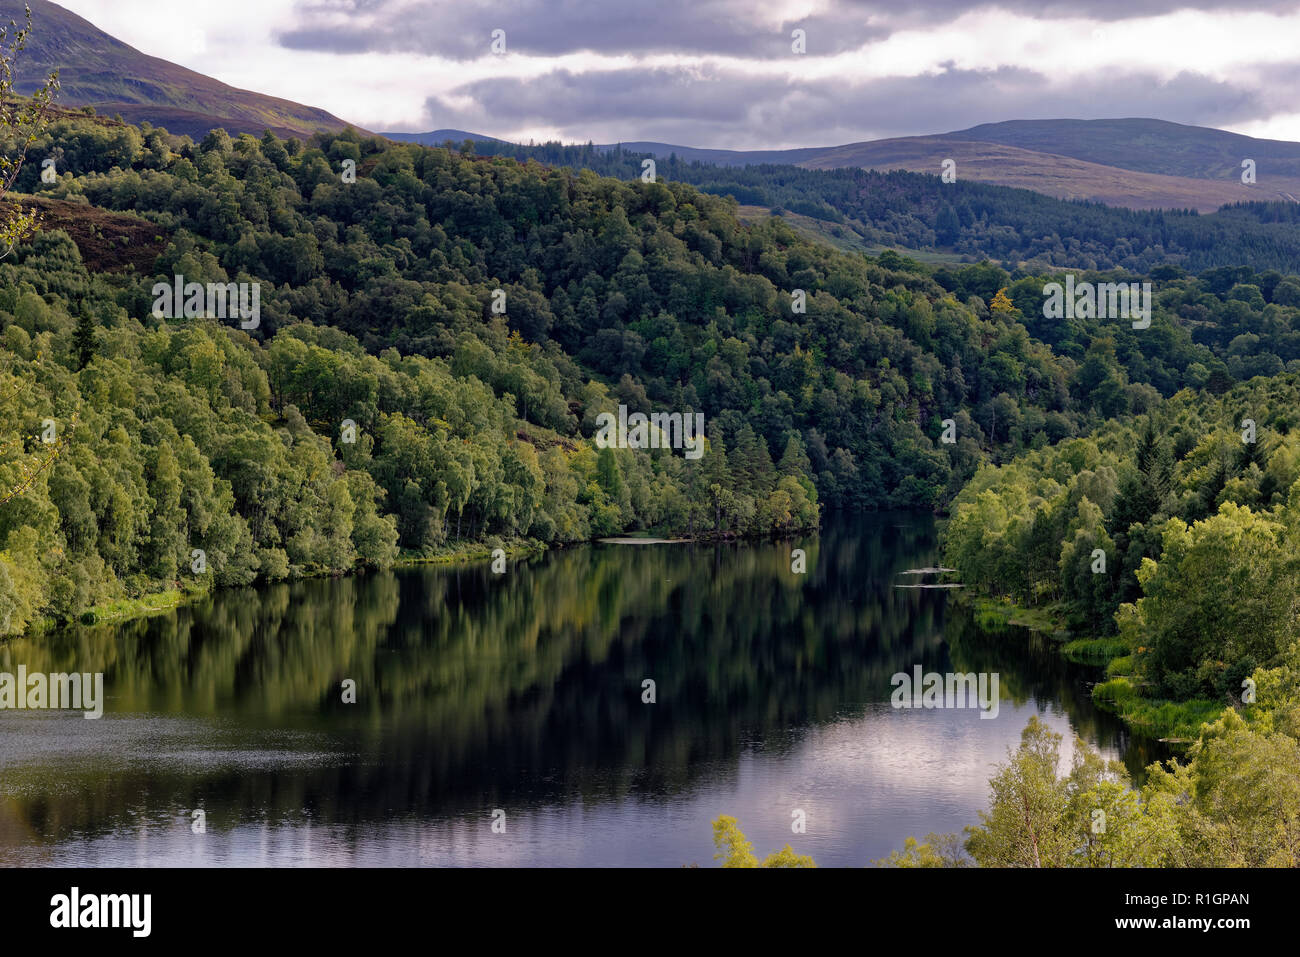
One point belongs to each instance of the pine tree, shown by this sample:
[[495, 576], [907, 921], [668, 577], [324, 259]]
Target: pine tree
[[947, 227], [794, 460], [1148, 447], [84, 338]]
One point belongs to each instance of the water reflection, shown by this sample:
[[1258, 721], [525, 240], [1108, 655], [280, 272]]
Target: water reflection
[[524, 692]]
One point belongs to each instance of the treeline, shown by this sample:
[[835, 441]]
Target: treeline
[[660, 294], [977, 220]]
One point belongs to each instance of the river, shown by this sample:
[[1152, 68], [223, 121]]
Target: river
[[517, 700]]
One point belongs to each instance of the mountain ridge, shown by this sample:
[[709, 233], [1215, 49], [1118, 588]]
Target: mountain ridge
[[1172, 166], [1134, 162], [98, 70]]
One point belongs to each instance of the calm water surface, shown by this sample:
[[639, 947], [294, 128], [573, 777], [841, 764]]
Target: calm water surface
[[522, 692]]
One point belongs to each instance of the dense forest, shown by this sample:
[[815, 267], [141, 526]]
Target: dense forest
[[128, 449], [439, 333], [649, 295], [968, 219], [1170, 540]]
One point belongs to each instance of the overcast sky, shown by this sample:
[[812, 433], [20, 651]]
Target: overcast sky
[[722, 73]]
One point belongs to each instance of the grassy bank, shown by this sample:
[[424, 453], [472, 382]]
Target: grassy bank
[[1097, 651], [126, 608], [999, 612], [1177, 722]]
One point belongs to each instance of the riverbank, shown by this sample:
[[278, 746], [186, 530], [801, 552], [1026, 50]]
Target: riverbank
[[1173, 722], [154, 603], [126, 609], [995, 613]]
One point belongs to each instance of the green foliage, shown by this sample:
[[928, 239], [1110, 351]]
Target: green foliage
[[171, 439], [1207, 525], [1200, 535], [1039, 817], [938, 850], [1090, 817], [1222, 592], [1238, 798], [164, 444], [377, 309], [975, 220], [1094, 650], [735, 850], [650, 295], [1176, 721], [1233, 802], [656, 296]]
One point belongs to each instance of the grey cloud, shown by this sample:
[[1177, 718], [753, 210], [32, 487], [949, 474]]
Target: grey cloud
[[932, 11], [547, 28], [462, 30], [722, 108]]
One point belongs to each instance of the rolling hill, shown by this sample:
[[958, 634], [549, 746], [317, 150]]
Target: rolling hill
[[96, 69], [1133, 163], [1064, 177], [438, 137], [1145, 146]]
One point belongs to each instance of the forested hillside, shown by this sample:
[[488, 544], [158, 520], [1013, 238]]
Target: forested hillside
[[1225, 325], [652, 295], [1171, 544], [970, 219], [143, 454], [467, 320], [1169, 540]]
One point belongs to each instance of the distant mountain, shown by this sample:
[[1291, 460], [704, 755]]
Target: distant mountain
[[1146, 146], [1061, 176], [1137, 163], [1133, 163], [95, 69], [795, 157]]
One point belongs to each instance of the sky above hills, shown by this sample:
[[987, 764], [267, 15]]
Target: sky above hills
[[723, 73]]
